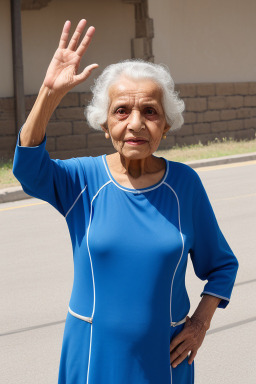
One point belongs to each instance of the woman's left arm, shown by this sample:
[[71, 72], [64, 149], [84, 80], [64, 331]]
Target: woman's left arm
[[190, 339], [214, 261]]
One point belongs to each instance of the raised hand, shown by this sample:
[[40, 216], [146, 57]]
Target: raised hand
[[62, 74]]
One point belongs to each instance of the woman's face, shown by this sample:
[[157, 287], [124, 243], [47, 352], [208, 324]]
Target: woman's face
[[136, 120]]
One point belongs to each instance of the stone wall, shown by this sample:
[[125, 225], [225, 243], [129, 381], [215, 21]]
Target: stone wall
[[220, 110], [216, 110]]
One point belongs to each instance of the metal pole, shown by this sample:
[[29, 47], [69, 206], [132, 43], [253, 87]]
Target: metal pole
[[18, 81]]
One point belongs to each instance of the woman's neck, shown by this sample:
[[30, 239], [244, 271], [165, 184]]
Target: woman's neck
[[136, 168]]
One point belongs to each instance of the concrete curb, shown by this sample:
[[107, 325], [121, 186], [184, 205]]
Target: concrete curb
[[11, 194], [8, 195], [222, 160]]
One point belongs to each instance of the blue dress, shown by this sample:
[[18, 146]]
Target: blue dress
[[130, 249]]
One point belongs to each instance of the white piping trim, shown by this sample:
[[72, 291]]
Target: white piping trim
[[90, 220], [214, 294], [87, 237], [182, 239], [89, 359], [84, 318], [72, 206], [138, 191], [175, 324]]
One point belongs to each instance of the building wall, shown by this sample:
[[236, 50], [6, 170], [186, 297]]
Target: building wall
[[219, 94], [220, 110], [115, 27], [205, 40], [216, 111], [6, 72]]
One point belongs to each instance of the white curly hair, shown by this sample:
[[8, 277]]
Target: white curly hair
[[97, 110]]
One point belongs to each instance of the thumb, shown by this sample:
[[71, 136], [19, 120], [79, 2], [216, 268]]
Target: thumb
[[85, 74]]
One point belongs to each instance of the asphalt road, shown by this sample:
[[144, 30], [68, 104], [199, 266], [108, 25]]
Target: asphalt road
[[36, 281]]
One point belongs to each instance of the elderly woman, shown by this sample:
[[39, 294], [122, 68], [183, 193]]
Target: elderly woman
[[133, 219]]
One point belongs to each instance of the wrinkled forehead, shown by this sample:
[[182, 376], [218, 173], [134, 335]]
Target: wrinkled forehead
[[135, 89]]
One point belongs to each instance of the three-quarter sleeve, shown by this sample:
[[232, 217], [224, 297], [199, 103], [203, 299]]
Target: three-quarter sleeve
[[212, 258], [51, 180]]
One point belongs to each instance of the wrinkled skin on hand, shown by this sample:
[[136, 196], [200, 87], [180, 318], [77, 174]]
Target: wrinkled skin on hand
[[62, 74], [187, 342]]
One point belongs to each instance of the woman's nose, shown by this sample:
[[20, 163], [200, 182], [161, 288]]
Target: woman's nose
[[136, 121]]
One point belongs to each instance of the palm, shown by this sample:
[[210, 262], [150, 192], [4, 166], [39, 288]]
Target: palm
[[62, 71]]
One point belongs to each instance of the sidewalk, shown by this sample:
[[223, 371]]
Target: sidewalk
[[16, 193]]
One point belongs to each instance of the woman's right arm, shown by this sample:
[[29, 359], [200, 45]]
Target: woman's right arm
[[56, 181], [34, 129], [60, 78]]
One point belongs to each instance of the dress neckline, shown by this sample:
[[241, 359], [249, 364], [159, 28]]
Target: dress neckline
[[135, 190]]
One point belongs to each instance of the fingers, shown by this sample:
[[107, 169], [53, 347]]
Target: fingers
[[183, 356], [85, 42], [180, 358], [177, 340], [64, 34], [189, 339], [77, 34], [192, 356], [181, 336], [179, 351]]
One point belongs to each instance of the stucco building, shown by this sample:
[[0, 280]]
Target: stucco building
[[208, 46]]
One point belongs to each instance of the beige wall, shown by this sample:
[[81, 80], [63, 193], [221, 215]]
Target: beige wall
[[201, 40], [6, 76], [205, 40], [115, 27]]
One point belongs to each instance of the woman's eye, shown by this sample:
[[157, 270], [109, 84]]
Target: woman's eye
[[150, 111], [121, 111]]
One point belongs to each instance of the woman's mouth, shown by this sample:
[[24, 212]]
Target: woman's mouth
[[135, 142]]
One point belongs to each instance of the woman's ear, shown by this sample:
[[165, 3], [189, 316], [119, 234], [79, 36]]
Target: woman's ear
[[166, 128], [104, 127]]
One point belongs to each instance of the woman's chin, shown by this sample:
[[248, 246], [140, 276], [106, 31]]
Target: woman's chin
[[135, 153]]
